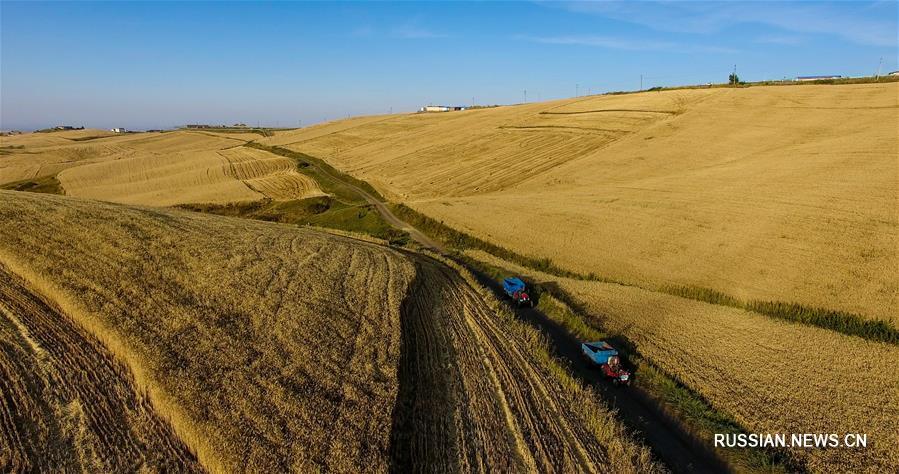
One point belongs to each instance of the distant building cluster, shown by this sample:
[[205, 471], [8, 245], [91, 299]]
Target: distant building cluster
[[203, 125], [441, 108], [816, 78], [67, 127]]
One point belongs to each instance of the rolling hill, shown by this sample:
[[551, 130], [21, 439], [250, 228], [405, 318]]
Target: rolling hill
[[254, 346], [785, 194], [158, 169]]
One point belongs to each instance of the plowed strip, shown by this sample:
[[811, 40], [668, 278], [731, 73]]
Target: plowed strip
[[66, 404]]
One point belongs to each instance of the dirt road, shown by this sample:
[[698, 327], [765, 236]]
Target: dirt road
[[473, 397], [385, 212], [678, 449]]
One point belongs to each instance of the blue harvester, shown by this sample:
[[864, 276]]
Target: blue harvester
[[517, 290]]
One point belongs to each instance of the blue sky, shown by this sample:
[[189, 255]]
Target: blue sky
[[149, 65]]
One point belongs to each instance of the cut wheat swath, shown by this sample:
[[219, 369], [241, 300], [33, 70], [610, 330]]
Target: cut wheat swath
[[276, 348]]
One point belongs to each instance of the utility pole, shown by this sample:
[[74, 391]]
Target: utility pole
[[641, 82], [734, 77], [878, 68], [576, 89], [525, 96]]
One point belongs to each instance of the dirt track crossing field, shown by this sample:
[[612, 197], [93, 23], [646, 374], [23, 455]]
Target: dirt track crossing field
[[680, 450], [273, 348], [66, 404], [471, 385]]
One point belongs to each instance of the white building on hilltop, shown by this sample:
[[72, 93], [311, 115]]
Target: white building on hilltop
[[441, 108]]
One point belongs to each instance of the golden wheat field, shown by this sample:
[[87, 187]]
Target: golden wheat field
[[769, 193], [67, 404], [772, 376], [159, 169], [265, 347]]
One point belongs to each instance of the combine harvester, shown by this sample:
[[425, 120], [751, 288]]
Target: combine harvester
[[516, 289], [606, 357]]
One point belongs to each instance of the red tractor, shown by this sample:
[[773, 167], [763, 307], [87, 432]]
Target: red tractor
[[517, 291], [606, 357], [612, 370]]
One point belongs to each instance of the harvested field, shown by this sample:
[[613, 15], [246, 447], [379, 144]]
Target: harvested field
[[517, 417], [158, 169], [276, 348], [771, 376], [274, 176], [261, 347], [465, 153], [66, 404], [764, 193]]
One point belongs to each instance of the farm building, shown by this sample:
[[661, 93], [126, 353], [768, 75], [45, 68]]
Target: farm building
[[441, 108], [816, 78], [117, 130], [894, 73]]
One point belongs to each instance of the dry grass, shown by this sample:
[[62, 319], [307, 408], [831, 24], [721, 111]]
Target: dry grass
[[273, 348], [770, 376], [67, 404], [274, 176], [52, 138], [158, 169], [765, 193], [270, 348], [471, 152]]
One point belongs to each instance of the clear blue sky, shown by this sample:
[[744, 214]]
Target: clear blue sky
[[148, 65]]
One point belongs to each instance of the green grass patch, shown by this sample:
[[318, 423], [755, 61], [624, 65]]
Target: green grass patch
[[261, 131], [47, 185], [362, 219], [452, 238], [839, 321], [330, 179], [695, 413], [320, 211]]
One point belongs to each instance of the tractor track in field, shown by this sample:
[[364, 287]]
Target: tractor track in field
[[472, 397], [66, 403], [677, 448]]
